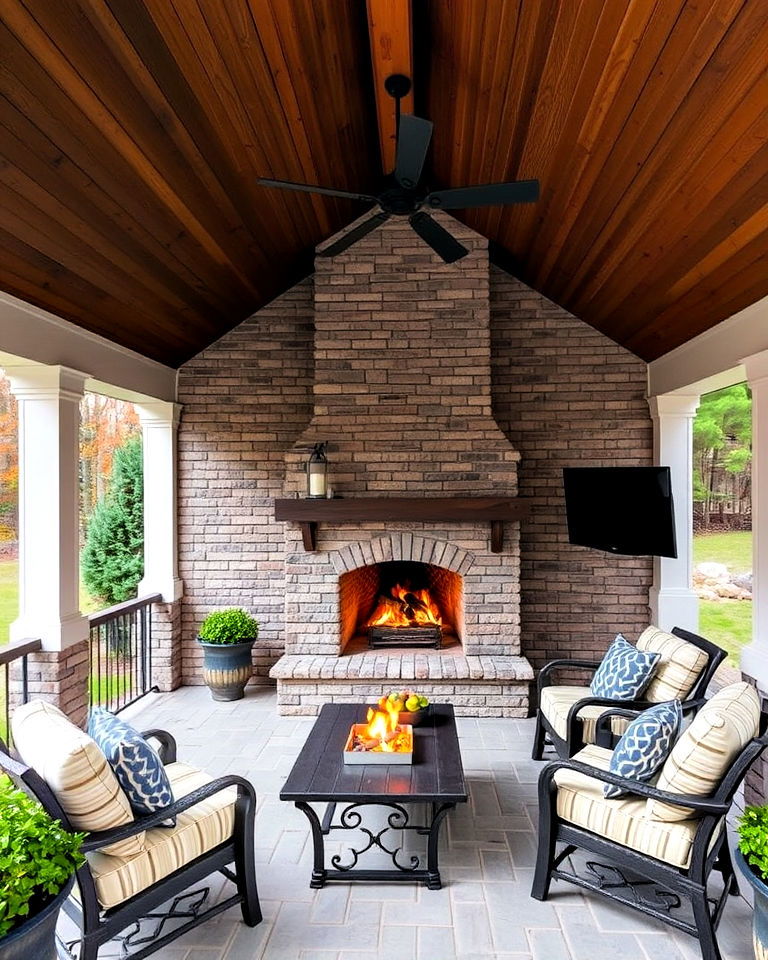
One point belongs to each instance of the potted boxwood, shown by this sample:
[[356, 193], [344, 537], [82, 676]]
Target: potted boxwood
[[227, 637], [752, 858], [38, 859]]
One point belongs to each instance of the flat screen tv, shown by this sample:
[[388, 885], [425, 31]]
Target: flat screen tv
[[621, 509]]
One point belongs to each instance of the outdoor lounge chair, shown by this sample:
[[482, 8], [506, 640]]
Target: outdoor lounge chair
[[655, 847], [567, 714], [149, 862]]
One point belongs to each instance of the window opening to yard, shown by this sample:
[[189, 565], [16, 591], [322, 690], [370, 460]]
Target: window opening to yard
[[722, 517], [112, 550]]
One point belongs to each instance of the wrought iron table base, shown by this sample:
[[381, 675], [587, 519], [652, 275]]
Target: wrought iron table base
[[351, 818]]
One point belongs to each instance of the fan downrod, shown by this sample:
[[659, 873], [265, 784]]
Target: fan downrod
[[397, 85]]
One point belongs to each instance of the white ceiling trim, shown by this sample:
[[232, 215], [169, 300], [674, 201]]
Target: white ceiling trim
[[33, 334]]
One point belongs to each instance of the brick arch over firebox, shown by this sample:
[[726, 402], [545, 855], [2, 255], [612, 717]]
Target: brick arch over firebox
[[402, 546]]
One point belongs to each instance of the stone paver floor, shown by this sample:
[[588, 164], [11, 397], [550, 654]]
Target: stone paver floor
[[484, 909]]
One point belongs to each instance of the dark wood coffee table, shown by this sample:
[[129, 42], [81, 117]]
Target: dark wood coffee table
[[435, 778]]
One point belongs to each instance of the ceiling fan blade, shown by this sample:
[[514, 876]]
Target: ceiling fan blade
[[485, 195], [360, 231], [413, 137], [311, 188], [444, 245]]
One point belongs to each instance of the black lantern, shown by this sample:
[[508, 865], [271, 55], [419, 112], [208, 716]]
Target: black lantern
[[317, 472]]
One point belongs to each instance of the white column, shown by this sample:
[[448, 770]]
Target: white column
[[673, 602], [754, 657], [48, 400], [159, 424]]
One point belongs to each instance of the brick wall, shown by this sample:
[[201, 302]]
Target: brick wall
[[561, 393], [246, 399], [567, 396]]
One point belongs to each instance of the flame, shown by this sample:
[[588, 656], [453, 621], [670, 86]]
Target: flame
[[382, 734], [406, 608]]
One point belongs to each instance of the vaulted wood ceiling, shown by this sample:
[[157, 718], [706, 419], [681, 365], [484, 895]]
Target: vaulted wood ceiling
[[133, 131]]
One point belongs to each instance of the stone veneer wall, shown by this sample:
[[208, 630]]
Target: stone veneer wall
[[567, 396], [562, 393]]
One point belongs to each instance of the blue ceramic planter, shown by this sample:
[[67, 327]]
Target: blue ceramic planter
[[36, 938], [760, 917], [227, 668]]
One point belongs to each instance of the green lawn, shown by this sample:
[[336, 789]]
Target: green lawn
[[732, 549], [728, 622], [9, 596]]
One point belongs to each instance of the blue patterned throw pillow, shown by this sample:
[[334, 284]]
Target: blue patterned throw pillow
[[624, 671], [136, 764], [645, 745]]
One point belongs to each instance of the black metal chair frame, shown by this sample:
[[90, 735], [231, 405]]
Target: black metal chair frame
[[97, 925], [674, 883], [565, 748]]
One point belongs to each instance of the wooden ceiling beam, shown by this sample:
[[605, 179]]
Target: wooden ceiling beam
[[390, 31]]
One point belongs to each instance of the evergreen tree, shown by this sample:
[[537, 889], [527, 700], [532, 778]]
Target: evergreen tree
[[113, 556]]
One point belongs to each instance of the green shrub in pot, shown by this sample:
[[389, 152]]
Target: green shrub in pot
[[38, 858], [227, 637], [752, 858]]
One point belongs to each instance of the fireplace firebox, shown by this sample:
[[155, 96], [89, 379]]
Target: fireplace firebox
[[401, 604]]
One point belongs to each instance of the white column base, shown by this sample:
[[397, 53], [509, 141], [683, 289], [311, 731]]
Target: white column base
[[754, 663], [57, 634], [674, 607], [171, 589]]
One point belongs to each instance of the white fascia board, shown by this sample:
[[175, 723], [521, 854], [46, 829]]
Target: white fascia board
[[713, 359], [30, 333]]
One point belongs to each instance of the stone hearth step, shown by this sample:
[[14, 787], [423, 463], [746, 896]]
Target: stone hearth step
[[483, 686]]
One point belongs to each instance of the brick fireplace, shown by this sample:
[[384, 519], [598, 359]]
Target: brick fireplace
[[402, 397]]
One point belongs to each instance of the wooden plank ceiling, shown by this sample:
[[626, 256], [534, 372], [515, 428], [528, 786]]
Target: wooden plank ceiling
[[133, 131]]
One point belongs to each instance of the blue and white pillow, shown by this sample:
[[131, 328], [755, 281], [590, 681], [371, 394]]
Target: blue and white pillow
[[645, 745], [136, 764], [624, 671]]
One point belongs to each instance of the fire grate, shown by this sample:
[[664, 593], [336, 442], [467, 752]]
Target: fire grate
[[413, 636]]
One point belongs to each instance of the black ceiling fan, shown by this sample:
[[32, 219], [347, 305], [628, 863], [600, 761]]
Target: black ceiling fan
[[404, 195]]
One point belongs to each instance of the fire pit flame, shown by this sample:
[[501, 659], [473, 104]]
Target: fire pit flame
[[380, 735]]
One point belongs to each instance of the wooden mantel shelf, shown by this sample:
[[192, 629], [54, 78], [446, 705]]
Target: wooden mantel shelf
[[495, 510]]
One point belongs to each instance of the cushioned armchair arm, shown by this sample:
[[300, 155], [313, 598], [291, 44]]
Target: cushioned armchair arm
[[704, 805], [94, 841], [544, 678], [604, 730], [167, 743]]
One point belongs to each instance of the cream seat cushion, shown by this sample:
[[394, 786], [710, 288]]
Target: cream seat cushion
[[580, 801], [556, 701], [76, 770], [677, 671], [705, 750], [197, 830]]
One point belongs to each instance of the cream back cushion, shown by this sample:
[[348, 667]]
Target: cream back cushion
[[677, 671], [76, 771], [701, 757]]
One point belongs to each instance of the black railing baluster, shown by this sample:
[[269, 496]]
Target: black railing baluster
[[14, 687], [124, 674]]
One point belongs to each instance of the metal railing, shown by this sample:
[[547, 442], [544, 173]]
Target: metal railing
[[14, 680], [121, 653]]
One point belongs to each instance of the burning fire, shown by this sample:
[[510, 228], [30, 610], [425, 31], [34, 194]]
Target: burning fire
[[406, 608], [381, 734], [382, 727]]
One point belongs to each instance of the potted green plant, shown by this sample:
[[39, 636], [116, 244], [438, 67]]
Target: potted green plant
[[227, 637], [38, 859], [752, 858]]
